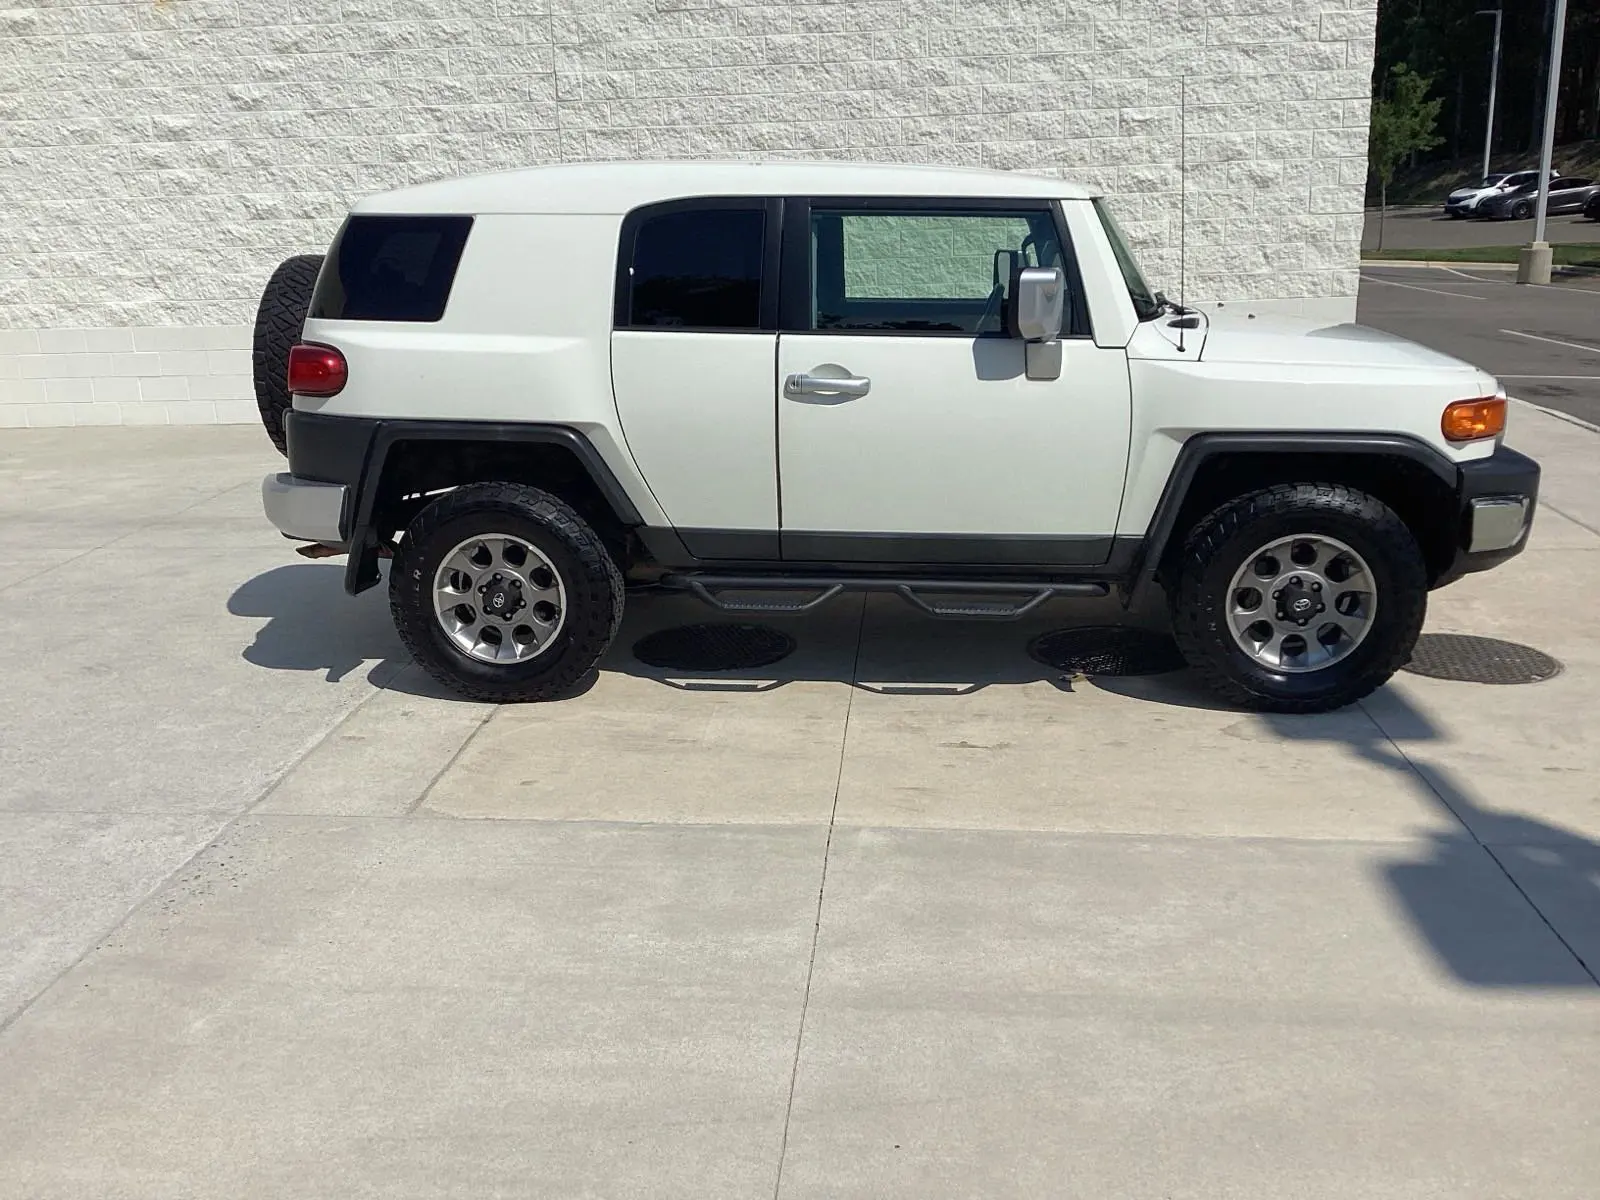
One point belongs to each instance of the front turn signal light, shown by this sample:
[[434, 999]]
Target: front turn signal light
[[1467, 420]]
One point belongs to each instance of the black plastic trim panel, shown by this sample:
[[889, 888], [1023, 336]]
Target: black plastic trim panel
[[353, 451], [327, 449], [1205, 446], [950, 548], [1506, 472], [958, 556]]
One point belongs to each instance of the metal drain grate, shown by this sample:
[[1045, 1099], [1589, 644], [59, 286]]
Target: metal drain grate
[[1108, 650], [1467, 659], [713, 647]]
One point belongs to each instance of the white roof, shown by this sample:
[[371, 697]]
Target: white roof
[[617, 187]]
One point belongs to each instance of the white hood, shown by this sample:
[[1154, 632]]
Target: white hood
[[1285, 341]]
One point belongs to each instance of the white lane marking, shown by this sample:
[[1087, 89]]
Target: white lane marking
[[1553, 341], [1468, 278], [1414, 288]]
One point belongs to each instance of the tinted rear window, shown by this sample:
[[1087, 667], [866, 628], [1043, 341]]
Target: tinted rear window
[[697, 269], [390, 269]]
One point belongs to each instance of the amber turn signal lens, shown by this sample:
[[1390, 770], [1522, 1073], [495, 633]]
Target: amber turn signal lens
[[1468, 419]]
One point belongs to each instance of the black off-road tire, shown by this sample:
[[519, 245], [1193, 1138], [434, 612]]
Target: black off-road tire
[[280, 317], [1217, 547], [594, 591]]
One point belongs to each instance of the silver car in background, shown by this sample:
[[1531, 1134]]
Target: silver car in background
[[1467, 201], [1567, 195]]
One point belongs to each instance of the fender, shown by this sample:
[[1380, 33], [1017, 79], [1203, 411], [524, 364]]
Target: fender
[[1203, 447], [354, 450]]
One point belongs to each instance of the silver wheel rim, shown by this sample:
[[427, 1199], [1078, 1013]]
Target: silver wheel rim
[[1301, 603], [499, 599]]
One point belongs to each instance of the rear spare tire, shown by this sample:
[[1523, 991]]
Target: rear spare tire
[[279, 319]]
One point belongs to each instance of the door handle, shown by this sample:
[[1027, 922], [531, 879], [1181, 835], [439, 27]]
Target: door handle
[[825, 385]]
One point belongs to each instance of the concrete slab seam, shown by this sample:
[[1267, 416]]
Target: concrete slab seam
[[1470, 832], [822, 887], [427, 791], [166, 879]]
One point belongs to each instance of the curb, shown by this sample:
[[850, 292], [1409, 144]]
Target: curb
[[1437, 264], [1560, 416]]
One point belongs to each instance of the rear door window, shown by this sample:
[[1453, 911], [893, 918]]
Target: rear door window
[[390, 268], [697, 267]]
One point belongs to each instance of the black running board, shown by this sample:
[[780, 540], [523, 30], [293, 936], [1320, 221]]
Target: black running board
[[916, 592]]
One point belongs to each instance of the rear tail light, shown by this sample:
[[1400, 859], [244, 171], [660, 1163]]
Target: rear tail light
[[316, 370], [1467, 420]]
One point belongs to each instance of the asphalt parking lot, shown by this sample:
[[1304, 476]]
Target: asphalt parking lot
[[907, 914], [1428, 228], [1542, 342]]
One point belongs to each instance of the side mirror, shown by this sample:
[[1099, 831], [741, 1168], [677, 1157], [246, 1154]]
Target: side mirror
[[1038, 308]]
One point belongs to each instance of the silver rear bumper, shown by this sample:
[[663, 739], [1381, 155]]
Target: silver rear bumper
[[302, 508]]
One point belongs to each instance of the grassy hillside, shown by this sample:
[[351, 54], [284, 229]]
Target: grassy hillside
[[1428, 183]]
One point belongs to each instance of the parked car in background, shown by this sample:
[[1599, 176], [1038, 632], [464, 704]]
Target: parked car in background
[[1568, 194], [1466, 201], [1591, 207]]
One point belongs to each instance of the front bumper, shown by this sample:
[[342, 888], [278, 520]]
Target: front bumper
[[306, 509], [1497, 497]]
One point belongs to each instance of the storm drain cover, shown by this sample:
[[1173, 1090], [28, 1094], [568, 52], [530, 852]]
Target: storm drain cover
[[713, 647], [1107, 650], [1467, 659]]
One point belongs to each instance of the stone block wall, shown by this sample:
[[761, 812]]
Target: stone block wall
[[159, 157]]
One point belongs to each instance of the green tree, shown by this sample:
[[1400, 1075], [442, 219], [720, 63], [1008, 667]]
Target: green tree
[[1403, 121]]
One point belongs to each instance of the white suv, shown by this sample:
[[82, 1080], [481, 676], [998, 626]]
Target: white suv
[[535, 389], [1467, 201]]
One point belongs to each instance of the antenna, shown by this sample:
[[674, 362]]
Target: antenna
[[1183, 200]]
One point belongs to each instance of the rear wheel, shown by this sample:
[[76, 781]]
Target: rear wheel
[[503, 593], [280, 317], [1299, 598]]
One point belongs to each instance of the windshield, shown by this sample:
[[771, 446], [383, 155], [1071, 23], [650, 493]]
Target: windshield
[[1144, 300], [1494, 181]]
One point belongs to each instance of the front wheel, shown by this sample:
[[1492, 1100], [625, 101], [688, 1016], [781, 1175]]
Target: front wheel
[[503, 593], [1299, 598], [1522, 211]]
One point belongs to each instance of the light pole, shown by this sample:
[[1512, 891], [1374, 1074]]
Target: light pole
[[1533, 261], [1494, 78]]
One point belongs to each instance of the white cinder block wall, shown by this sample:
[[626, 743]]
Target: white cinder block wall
[[159, 157]]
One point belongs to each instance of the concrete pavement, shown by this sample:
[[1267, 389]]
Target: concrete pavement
[[906, 914]]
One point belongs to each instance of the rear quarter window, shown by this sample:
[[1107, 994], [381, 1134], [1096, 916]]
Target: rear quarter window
[[383, 268]]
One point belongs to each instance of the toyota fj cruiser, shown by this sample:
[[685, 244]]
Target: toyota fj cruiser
[[535, 389]]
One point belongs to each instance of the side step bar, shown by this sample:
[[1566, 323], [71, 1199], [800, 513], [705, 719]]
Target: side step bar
[[1029, 595]]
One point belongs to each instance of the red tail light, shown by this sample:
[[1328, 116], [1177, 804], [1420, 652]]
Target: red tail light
[[316, 370]]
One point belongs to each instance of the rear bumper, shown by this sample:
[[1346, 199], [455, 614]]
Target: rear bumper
[[306, 509], [1497, 497]]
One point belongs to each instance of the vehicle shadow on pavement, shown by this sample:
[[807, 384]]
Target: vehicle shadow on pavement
[[311, 625], [1501, 899]]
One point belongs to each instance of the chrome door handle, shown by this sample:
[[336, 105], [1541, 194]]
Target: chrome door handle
[[823, 385]]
